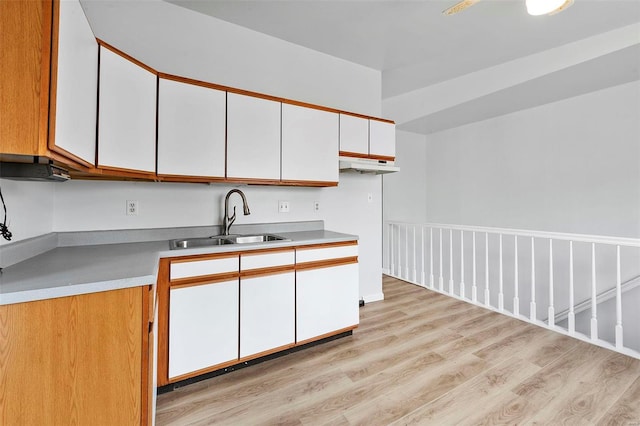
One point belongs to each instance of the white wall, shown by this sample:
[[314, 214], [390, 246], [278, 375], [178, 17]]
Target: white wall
[[570, 166], [29, 208], [179, 41]]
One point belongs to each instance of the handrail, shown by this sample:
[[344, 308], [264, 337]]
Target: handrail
[[584, 238]]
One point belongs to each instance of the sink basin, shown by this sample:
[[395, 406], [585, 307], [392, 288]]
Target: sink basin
[[198, 242], [259, 238], [220, 240]]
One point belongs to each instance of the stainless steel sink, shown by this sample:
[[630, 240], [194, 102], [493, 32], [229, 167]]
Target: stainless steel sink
[[198, 242], [259, 238], [219, 240]]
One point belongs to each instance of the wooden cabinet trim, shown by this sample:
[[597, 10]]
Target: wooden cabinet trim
[[203, 280], [261, 272], [324, 336], [125, 56], [146, 321], [199, 257], [163, 322], [264, 96], [268, 352], [201, 371], [328, 245], [266, 251], [366, 156], [320, 264]]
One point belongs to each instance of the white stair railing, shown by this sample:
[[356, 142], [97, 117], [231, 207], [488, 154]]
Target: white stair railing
[[588, 268]]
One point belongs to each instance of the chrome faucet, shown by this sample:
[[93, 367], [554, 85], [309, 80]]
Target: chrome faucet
[[228, 221]]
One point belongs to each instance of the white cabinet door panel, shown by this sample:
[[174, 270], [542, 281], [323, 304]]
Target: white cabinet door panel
[[382, 138], [77, 84], [203, 326], [196, 268], [354, 134], [326, 300], [267, 313], [266, 260], [309, 144], [324, 253], [191, 129], [253, 137], [126, 114]]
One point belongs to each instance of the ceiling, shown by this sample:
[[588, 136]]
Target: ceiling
[[418, 49]]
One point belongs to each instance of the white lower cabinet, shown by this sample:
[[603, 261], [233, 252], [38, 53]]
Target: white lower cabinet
[[326, 300], [267, 313], [203, 326]]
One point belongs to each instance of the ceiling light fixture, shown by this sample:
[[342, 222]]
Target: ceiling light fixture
[[546, 7]]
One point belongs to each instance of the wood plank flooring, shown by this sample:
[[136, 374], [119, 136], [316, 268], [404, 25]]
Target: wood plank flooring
[[421, 358]]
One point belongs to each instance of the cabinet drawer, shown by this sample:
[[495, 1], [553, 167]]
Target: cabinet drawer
[[326, 253], [204, 267], [267, 260]]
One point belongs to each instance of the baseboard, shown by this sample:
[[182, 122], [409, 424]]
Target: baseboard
[[373, 298], [385, 271]]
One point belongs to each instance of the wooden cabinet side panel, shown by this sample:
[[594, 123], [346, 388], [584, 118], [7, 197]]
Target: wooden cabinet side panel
[[25, 40], [72, 360]]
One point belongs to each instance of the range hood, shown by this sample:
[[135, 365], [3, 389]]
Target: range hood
[[365, 165], [33, 172]]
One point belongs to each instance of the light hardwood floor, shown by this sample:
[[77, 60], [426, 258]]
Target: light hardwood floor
[[422, 358]]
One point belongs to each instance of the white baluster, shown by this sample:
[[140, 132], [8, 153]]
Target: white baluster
[[487, 299], [618, 301], [594, 303], [391, 268], [551, 316], [441, 278], [406, 252], [474, 288], [500, 282], [572, 316], [532, 305], [415, 275], [462, 264], [431, 283], [399, 256], [451, 262], [516, 299], [422, 280]]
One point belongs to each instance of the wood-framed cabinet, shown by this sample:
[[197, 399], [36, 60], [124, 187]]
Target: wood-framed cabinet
[[223, 309], [126, 114], [88, 358], [367, 138], [267, 302], [48, 79], [191, 129]]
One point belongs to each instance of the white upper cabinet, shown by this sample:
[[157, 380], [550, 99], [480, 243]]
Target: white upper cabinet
[[126, 114], [191, 130], [382, 138], [354, 134], [309, 144], [76, 84], [253, 137]]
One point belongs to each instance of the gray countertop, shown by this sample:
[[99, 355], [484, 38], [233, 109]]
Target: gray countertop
[[80, 268]]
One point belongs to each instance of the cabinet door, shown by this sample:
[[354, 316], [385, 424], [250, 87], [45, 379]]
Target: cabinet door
[[253, 137], [326, 300], [203, 326], [354, 134], [191, 127], [126, 114], [309, 144], [76, 85], [382, 138], [267, 313]]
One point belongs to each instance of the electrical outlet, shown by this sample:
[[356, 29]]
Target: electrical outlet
[[132, 207], [316, 206], [283, 206]]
